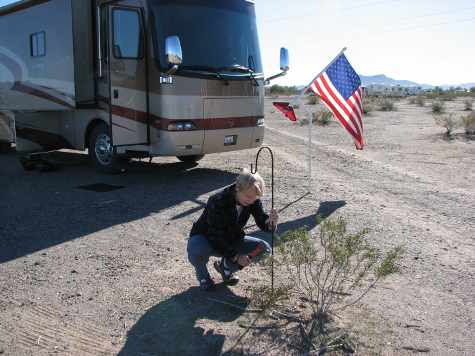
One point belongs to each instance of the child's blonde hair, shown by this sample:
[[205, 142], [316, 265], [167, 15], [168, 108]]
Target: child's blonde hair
[[246, 179]]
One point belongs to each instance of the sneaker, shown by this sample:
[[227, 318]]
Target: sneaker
[[206, 284], [228, 278]]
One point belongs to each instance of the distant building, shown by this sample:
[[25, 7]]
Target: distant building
[[391, 90]]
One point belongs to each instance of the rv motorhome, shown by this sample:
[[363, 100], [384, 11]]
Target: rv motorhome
[[133, 77]]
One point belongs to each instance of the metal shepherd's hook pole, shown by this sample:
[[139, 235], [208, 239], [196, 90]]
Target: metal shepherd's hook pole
[[272, 207]]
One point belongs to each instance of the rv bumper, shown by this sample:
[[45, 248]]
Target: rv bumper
[[232, 139], [199, 142]]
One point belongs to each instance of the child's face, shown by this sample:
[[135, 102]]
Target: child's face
[[247, 197]]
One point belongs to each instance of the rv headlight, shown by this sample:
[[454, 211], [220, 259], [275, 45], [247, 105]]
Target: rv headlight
[[181, 126], [260, 122]]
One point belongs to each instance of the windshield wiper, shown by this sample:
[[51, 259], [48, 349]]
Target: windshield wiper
[[241, 69], [205, 69]]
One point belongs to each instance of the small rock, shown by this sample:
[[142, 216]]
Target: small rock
[[74, 271], [37, 263]]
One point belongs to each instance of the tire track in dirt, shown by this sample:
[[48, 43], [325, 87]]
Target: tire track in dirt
[[43, 329]]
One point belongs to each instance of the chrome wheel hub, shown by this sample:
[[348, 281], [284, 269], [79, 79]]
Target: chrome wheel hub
[[103, 149]]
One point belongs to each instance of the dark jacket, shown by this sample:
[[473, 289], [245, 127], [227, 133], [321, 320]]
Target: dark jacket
[[220, 224]]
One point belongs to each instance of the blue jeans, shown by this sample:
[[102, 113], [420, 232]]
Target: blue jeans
[[200, 250]]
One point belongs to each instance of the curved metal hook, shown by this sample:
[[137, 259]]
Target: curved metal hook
[[257, 157], [253, 171]]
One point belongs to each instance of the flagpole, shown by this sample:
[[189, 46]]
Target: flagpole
[[310, 124], [324, 69]]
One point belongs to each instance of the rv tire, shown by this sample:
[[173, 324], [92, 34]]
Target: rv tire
[[190, 159], [101, 152]]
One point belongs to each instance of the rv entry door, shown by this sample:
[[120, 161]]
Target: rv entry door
[[128, 76]]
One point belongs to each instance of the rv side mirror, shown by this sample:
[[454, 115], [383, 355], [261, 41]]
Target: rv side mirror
[[284, 59], [173, 50], [284, 65]]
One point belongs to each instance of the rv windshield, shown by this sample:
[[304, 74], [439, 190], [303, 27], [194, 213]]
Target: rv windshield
[[213, 33]]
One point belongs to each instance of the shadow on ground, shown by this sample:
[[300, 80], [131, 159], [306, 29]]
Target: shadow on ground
[[325, 209], [169, 328], [40, 210]]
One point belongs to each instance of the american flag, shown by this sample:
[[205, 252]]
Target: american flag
[[340, 88]]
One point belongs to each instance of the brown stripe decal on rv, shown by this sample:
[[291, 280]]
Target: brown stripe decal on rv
[[135, 115], [48, 140], [40, 94], [131, 114], [219, 123]]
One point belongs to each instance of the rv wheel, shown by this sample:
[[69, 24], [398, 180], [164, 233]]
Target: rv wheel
[[190, 159], [101, 151]]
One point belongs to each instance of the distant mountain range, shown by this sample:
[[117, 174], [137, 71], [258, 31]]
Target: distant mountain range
[[381, 79], [384, 80]]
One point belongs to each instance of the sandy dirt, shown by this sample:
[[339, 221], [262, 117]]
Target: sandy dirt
[[106, 273]]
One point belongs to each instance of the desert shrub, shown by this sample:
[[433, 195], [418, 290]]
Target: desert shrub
[[281, 90], [324, 275], [448, 96], [438, 107], [321, 117], [469, 124], [387, 105], [468, 103], [302, 121], [368, 106], [448, 121], [417, 100], [312, 100], [420, 101]]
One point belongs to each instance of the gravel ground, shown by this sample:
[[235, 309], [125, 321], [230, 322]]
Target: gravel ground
[[105, 273]]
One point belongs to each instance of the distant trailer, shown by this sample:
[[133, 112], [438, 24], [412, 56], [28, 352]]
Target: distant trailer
[[110, 77]]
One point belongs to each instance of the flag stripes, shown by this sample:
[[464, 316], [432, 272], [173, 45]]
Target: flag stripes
[[349, 111]]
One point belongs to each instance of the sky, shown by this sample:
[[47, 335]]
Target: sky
[[426, 41]]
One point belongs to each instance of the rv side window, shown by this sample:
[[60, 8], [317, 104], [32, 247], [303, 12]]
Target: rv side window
[[38, 44], [127, 34]]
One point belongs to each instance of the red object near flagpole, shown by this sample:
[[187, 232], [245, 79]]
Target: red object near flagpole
[[286, 109]]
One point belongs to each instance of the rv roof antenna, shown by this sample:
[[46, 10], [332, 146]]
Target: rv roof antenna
[[272, 205]]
